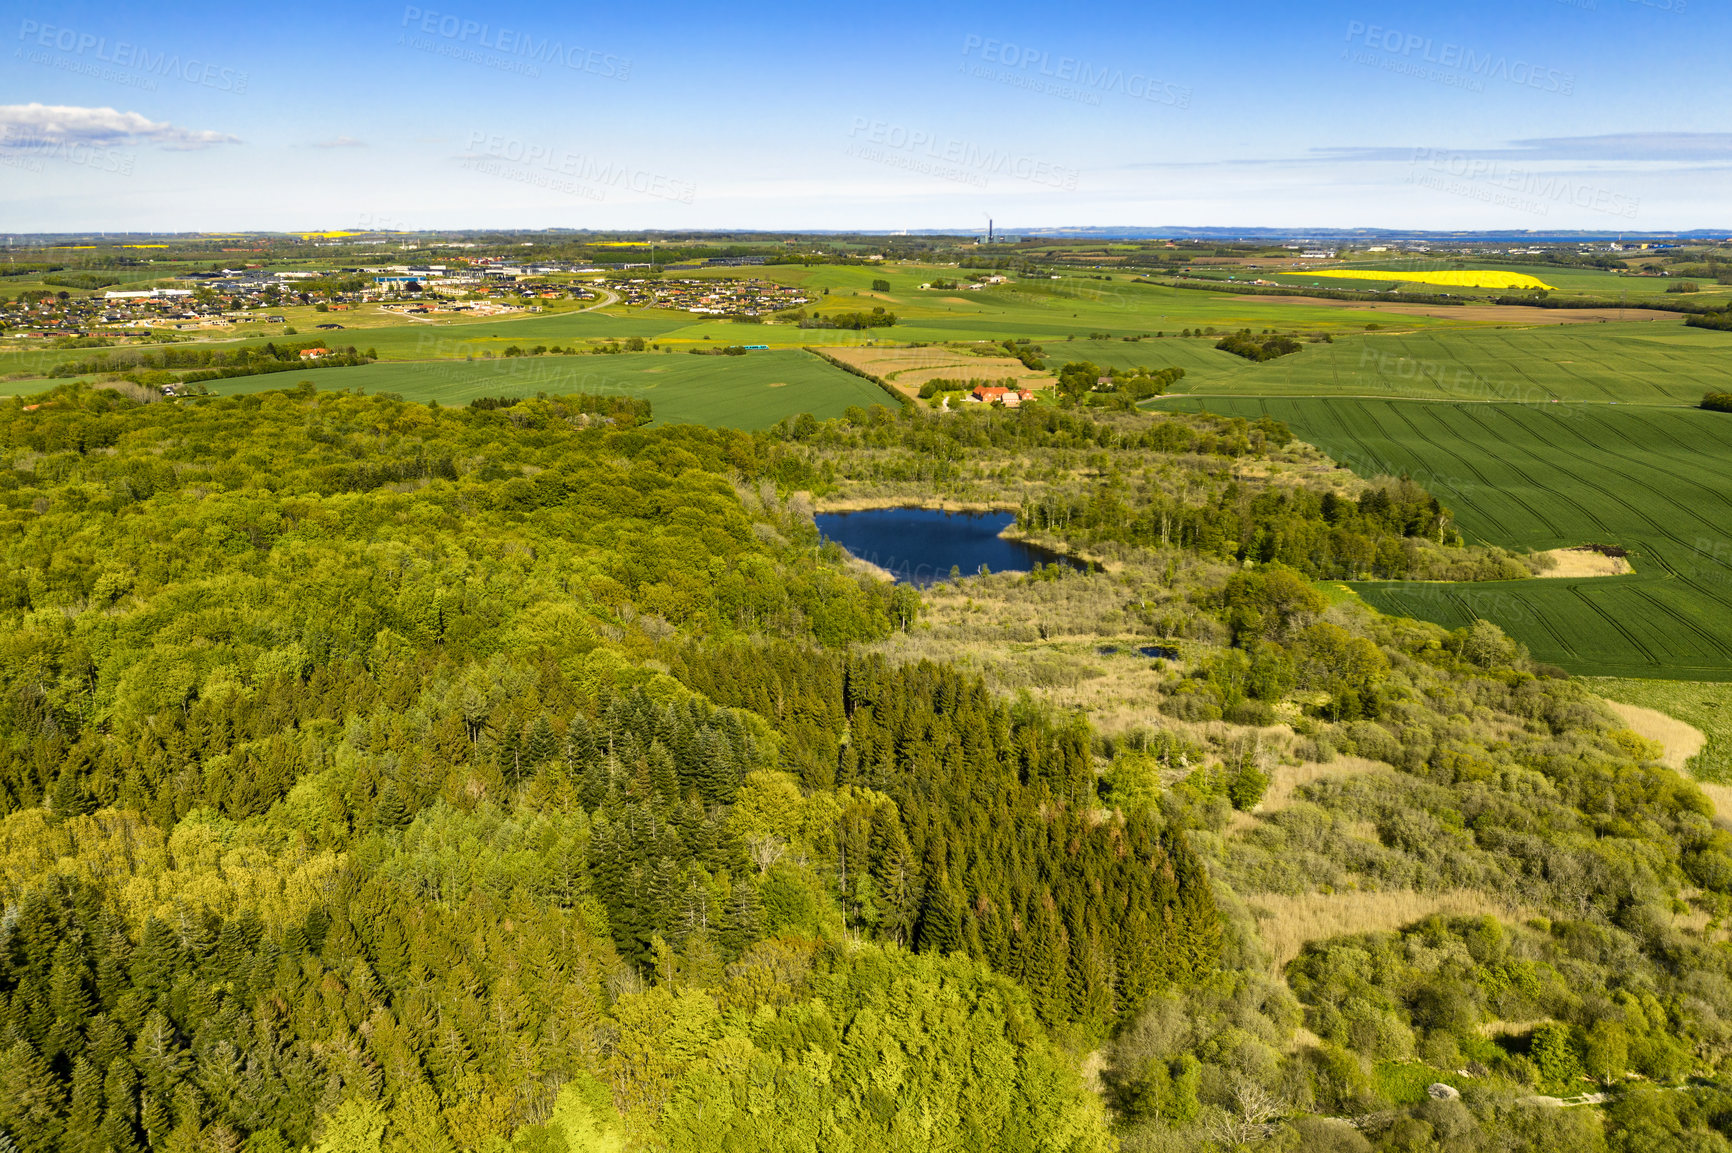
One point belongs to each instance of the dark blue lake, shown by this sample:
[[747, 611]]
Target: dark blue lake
[[920, 545]]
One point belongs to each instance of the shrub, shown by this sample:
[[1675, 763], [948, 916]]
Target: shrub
[[1242, 343], [1555, 1057]]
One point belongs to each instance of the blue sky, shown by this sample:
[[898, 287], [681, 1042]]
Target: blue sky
[[1541, 114]]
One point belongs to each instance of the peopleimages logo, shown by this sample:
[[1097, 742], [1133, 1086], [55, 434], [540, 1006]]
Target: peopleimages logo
[[1416, 52], [949, 158], [123, 54], [1071, 77], [464, 34], [562, 170], [20, 149], [1523, 187]]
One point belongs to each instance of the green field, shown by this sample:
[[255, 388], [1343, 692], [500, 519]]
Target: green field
[[1641, 362], [1059, 313], [749, 392], [1652, 480]]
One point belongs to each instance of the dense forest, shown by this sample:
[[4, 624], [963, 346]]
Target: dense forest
[[379, 776], [372, 764]]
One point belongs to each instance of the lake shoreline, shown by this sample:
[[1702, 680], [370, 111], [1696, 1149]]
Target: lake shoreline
[[870, 504], [920, 545]]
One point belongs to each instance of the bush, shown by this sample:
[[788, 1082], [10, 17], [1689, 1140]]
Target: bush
[[1191, 707], [1250, 712], [1242, 343], [1328, 1135], [877, 318], [1374, 742], [1554, 1054], [1246, 787], [1718, 402]]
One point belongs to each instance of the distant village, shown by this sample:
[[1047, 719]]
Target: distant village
[[222, 298], [712, 297]]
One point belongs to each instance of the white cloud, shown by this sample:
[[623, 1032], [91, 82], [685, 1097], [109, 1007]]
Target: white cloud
[[70, 124]]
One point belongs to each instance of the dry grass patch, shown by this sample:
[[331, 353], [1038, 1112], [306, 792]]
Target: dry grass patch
[[908, 368], [1720, 796], [1583, 562], [1286, 923], [1285, 779], [1679, 740]]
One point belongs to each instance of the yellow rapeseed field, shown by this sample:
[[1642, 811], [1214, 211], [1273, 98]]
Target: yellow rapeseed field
[[1470, 278]]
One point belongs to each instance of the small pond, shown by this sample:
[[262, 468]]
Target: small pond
[[1161, 651], [920, 545]]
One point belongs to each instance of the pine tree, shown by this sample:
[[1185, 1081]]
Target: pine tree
[[664, 782], [541, 744], [156, 960], [743, 919], [156, 1121], [83, 1133], [940, 924], [415, 1125], [895, 874], [30, 1099], [120, 1097], [389, 811], [69, 798]]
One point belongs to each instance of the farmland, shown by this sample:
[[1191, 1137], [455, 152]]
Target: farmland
[[1565, 280], [907, 369], [1540, 428], [1649, 479], [1649, 363], [749, 392], [1452, 278]]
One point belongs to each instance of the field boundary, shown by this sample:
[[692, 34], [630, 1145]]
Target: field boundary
[[889, 388]]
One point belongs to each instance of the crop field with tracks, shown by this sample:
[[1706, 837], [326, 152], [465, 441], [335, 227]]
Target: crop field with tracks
[[1538, 476], [748, 392]]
